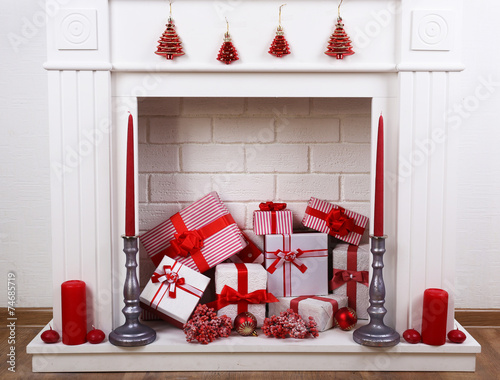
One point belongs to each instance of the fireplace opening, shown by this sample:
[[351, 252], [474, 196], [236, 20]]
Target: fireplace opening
[[251, 150]]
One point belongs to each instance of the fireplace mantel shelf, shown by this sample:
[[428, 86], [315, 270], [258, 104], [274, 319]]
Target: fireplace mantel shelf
[[333, 350]]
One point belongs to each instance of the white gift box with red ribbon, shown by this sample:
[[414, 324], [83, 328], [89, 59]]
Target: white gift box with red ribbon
[[321, 308], [297, 264], [173, 291]]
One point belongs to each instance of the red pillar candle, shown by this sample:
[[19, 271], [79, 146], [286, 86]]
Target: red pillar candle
[[74, 312], [378, 227], [129, 196], [434, 317]]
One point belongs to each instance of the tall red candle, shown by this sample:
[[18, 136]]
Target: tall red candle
[[434, 317], [74, 312], [378, 227], [130, 197]]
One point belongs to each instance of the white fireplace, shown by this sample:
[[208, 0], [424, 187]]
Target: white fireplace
[[101, 61]]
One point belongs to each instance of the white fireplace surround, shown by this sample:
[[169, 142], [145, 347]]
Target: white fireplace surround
[[101, 59]]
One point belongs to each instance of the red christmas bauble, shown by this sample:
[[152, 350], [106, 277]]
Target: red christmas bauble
[[345, 318], [245, 324], [95, 336], [456, 336], [412, 336], [50, 336]]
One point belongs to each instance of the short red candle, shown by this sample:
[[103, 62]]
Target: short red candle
[[378, 227], [74, 312], [434, 317], [129, 196]]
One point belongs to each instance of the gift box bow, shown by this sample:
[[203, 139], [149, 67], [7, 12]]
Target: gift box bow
[[342, 276], [170, 280], [291, 257], [190, 242], [339, 222], [230, 296], [271, 206]]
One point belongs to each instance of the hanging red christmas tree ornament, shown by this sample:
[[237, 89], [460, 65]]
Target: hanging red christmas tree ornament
[[279, 46], [245, 324], [170, 45], [339, 44], [227, 53]]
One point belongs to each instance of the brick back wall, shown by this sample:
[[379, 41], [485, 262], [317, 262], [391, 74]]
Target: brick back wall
[[251, 150]]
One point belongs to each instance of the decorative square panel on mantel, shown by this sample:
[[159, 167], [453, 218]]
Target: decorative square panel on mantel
[[432, 29], [77, 29]]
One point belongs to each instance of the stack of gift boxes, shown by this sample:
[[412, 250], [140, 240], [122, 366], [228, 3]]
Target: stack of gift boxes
[[290, 273]]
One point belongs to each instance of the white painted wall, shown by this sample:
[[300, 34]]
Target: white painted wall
[[24, 165]]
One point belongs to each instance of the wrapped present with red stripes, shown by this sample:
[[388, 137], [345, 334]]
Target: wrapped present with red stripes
[[200, 236], [240, 288], [173, 292], [334, 220], [248, 255], [351, 276], [272, 218], [297, 264], [321, 308]]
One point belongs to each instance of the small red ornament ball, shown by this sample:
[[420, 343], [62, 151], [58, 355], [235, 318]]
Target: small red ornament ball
[[50, 336], [245, 324], [412, 336], [456, 336], [345, 318], [95, 336]]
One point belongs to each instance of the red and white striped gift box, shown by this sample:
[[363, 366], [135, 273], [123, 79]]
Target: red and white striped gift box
[[207, 220], [334, 220], [273, 222]]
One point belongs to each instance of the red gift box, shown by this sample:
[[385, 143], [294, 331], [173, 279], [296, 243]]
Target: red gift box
[[201, 236], [334, 220], [272, 218]]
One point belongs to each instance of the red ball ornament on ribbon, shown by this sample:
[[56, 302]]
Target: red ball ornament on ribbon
[[456, 336], [245, 324], [412, 336], [50, 336], [95, 336], [345, 318]]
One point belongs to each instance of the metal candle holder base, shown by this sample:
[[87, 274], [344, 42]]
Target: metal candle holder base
[[132, 333], [376, 333]]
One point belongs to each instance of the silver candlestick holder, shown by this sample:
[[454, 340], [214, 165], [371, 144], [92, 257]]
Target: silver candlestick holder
[[132, 333], [376, 333]]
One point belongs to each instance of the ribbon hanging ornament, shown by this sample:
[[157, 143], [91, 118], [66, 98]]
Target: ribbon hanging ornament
[[227, 53], [279, 46], [339, 44], [170, 45]]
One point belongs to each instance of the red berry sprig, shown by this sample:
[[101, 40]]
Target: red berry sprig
[[205, 326], [289, 323]]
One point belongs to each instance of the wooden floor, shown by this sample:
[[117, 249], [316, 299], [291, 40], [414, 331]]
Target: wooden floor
[[488, 365]]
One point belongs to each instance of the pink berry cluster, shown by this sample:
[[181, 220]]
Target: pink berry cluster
[[290, 323], [204, 326]]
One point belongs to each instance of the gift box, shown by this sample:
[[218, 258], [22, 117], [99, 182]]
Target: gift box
[[250, 254], [272, 218], [200, 236], [334, 220], [322, 309], [297, 264], [350, 276], [173, 292], [241, 287]]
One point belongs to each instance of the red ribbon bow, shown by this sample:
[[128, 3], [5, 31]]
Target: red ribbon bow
[[291, 257], [187, 243], [170, 278], [230, 296], [271, 206], [342, 276], [339, 222]]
